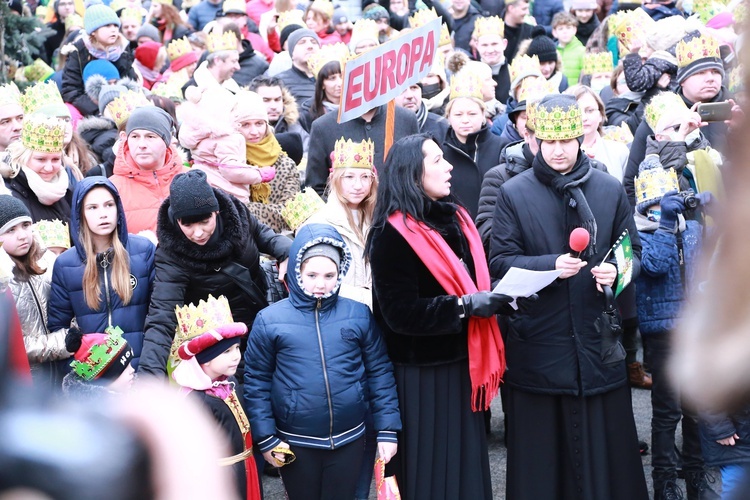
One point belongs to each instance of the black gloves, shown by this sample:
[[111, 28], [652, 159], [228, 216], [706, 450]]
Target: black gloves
[[486, 304], [672, 205]]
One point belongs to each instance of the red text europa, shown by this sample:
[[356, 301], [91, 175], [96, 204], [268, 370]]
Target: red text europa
[[388, 71]]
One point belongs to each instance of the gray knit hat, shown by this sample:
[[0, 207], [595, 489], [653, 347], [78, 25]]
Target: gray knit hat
[[299, 35], [150, 31], [109, 93], [12, 212], [323, 250], [153, 119], [191, 195]]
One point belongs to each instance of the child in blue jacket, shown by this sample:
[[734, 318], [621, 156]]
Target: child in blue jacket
[[314, 362]]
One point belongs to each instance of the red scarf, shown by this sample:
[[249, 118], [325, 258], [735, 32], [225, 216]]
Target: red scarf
[[486, 351]]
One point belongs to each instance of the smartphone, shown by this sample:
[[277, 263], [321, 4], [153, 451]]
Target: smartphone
[[715, 111]]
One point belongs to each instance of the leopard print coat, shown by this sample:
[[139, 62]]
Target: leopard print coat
[[284, 187]]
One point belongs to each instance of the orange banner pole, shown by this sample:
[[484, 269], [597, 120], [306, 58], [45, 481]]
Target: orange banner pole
[[390, 119]]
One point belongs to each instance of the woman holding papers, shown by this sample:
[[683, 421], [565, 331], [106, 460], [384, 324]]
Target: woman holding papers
[[432, 300]]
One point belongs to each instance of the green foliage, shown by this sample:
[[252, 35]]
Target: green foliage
[[22, 39]]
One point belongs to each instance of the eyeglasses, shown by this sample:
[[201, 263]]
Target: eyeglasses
[[353, 178]]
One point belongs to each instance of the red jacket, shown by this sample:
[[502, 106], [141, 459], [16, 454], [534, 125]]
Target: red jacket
[[143, 191]]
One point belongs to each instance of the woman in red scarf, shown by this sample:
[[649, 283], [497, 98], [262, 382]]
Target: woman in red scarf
[[431, 299]]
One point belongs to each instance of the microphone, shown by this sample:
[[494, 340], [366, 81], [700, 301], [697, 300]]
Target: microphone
[[579, 240]]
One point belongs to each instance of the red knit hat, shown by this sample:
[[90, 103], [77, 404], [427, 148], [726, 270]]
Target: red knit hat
[[147, 53]]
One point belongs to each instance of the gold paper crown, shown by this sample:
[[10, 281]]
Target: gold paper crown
[[178, 48], [534, 89], [706, 9], [129, 14], [559, 123], [39, 71], [629, 26], [325, 7], [118, 5], [621, 134], [41, 12], [492, 25], [350, 154], [740, 13], [289, 18], [599, 62], [422, 17], [172, 88], [328, 53], [122, 107], [43, 134], [9, 94], [652, 184], [54, 234], [304, 205], [445, 36], [365, 29], [523, 65], [44, 98], [700, 47], [73, 20], [466, 84], [736, 79], [216, 42], [659, 104]]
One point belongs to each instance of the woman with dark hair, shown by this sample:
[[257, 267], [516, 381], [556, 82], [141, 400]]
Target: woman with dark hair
[[166, 18], [428, 267], [328, 84]]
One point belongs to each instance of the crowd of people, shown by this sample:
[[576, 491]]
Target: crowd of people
[[180, 203]]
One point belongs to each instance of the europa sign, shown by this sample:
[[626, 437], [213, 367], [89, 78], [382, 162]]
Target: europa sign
[[377, 76]]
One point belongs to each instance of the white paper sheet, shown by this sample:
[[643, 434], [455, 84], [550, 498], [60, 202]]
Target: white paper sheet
[[519, 282]]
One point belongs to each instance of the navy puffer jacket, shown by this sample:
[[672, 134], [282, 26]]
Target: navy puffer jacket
[[66, 299], [312, 365]]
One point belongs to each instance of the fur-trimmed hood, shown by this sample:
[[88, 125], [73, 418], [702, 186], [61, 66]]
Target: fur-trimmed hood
[[235, 232], [95, 83], [95, 124], [291, 111]]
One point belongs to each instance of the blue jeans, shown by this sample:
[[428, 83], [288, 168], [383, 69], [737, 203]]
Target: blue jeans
[[732, 476]]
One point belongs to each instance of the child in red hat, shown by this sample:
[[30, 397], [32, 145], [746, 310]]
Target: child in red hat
[[102, 361]]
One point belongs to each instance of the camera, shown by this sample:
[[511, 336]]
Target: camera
[[690, 199]]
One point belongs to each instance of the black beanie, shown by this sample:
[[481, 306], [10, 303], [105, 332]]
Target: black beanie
[[212, 352], [191, 195], [12, 212], [543, 47], [288, 30]]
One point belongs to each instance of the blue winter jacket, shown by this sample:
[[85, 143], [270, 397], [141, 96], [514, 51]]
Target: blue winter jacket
[[544, 10], [660, 293], [313, 365], [66, 299]]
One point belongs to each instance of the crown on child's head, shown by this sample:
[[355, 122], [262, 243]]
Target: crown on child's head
[[43, 134], [597, 62], [289, 18], [129, 14], [524, 65], [491, 25], [558, 118], [699, 47], [304, 205], [659, 104], [194, 320], [9, 94], [172, 88], [629, 26], [178, 48], [39, 71], [54, 233], [350, 154], [651, 184], [706, 9], [217, 42], [466, 84], [422, 17], [97, 352], [328, 53], [534, 89], [122, 107], [621, 134]]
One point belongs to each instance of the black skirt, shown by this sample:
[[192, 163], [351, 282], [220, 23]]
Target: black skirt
[[571, 447], [442, 450]]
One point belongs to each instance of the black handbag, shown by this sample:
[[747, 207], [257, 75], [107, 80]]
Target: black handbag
[[240, 275], [609, 327], [275, 289]]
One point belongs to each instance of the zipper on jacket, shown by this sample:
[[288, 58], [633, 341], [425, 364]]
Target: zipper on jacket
[[325, 373], [105, 264], [476, 149], [38, 306]]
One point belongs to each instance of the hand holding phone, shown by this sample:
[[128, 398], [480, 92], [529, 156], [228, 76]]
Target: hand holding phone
[[714, 111]]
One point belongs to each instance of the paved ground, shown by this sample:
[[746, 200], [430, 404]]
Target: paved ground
[[274, 490]]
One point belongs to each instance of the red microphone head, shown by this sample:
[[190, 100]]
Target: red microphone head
[[579, 239]]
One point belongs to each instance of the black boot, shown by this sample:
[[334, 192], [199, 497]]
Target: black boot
[[699, 486], [667, 490]]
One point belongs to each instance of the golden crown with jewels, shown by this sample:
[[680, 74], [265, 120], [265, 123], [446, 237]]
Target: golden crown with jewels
[[129, 14], [422, 17], [172, 88], [44, 98], [365, 29], [699, 47], [328, 53], [43, 134], [523, 65], [324, 7], [304, 205], [492, 25], [217, 42], [597, 62], [53, 233], [350, 154], [558, 123], [659, 104], [533, 89], [654, 183], [445, 36], [289, 18], [466, 84], [9, 94], [178, 48], [629, 26], [39, 71], [621, 134], [122, 107]]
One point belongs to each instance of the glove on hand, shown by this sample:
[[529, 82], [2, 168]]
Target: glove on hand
[[486, 304], [267, 174], [672, 205]]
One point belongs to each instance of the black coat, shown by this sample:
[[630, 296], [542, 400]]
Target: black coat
[[419, 319], [470, 162], [100, 134], [73, 90], [553, 347], [19, 188], [619, 110], [187, 273], [502, 78], [251, 65]]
